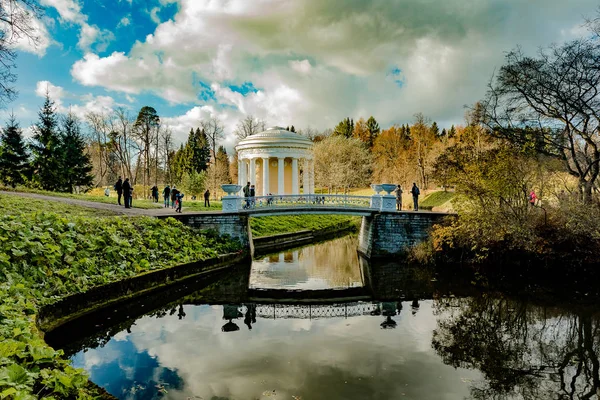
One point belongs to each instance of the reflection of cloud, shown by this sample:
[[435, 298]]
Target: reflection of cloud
[[333, 264], [319, 359]]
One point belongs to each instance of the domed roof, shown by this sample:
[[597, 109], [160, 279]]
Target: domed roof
[[274, 137]]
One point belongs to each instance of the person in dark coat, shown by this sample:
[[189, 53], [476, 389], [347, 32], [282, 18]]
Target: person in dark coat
[[119, 189], [247, 195], [155, 193], [207, 198], [415, 194], [166, 195], [126, 189], [174, 192], [252, 195]]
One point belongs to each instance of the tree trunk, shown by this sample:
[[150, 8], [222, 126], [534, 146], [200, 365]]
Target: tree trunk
[[587, 188]]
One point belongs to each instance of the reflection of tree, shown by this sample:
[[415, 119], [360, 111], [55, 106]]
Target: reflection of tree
[[523, 351]]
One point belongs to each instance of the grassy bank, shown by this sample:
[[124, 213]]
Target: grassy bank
[[439, 199], [45, 256], [267, 226]]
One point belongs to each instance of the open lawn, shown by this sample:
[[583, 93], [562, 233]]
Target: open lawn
[[267, 226]]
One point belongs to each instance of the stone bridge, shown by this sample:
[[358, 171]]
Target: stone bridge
[[383, 234]]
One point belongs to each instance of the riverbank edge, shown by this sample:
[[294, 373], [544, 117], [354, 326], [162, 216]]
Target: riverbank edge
[[69, 308], [267, 244]]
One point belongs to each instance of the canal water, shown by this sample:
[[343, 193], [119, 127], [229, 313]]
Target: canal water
[[406, 335]]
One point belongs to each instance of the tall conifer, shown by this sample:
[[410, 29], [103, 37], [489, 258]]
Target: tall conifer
[[14, 168], [76, 164], [46, 148]]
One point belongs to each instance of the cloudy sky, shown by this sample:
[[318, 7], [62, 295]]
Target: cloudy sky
[[307, 63]]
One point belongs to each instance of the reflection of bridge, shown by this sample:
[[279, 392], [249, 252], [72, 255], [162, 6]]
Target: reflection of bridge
[[314, 311]]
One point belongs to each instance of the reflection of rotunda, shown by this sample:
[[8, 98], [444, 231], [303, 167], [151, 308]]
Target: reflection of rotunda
[[271, 161]]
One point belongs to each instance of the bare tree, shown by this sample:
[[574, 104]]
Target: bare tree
[[18, 23], [122, 142], [166, 151], [249, 126], [552, 103], [215, 133]]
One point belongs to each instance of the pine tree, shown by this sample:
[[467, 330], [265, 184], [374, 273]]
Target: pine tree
[[434, 129], [444, 134], [46, 148], [451, 132], [14, 167], [292, 129], [344, 128], [373, 128], [76, 163], [196, 155]]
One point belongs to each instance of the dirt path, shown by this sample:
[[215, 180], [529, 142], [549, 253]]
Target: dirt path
[[97, 205]]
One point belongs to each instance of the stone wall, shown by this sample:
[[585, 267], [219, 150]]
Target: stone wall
[[388, 234], [236, 226]]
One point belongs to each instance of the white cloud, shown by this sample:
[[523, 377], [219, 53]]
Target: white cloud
[[69, 10], [302, 67], [44, 40], [154, 15], [78, 105], [316, 62], [125, 21]]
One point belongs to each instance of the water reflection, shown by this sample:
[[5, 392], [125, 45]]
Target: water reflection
[[524, 351], [336, 351], [330, 265]]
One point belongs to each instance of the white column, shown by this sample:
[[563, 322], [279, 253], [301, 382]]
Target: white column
[[265, 164], [295, 189], [244, 172], [305, 177], [311, 164], [252, 171], [280, 167], [240, 173]]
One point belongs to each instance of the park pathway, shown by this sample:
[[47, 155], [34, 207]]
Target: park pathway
[[158, 211]]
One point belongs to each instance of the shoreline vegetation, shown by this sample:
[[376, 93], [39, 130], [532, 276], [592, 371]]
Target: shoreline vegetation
[[45, 256]]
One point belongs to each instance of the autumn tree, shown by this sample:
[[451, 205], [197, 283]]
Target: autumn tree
[[341, 163], [218, 172], [360, 131], [14, 166], [392, 156], [552, 102]]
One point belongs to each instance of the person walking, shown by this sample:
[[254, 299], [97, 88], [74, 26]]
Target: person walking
[[532, 198], [179, 196], [155, 194], [126, 190], [207, 198], [174, 192], [247, 195], [415, 194], [166, 195], [399, 198], [119, 189], [252, 195]]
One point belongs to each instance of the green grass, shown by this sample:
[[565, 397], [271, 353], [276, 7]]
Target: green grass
[[267, 226], [14, 205], [45, 256], [436, 199]]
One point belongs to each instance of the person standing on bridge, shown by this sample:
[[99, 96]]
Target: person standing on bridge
[[119, 189], [252, 195], [415, 194], [399, 198], [207, 198], [126, 190], [247, 195], [174, 192]]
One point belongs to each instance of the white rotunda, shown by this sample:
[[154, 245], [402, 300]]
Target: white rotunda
[[271, 161]]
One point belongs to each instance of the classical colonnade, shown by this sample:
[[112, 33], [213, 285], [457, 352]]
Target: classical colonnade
[[276, 174]]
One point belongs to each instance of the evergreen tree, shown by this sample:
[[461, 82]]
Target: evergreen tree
[[46, 148], [451, 132], [287, 128], [14, 168], [435, 130], [444, 134], [292, 129], [196, 155], [76, 169], [344, 128], [373, 128]]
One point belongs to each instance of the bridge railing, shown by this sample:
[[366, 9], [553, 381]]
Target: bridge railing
[[311, 200]]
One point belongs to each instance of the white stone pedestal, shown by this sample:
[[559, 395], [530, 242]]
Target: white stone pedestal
[[388, 202], [231, 204], [376, 202]]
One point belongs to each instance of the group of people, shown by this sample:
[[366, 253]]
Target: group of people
[[415, 195], [124, 189], [172, 197]]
